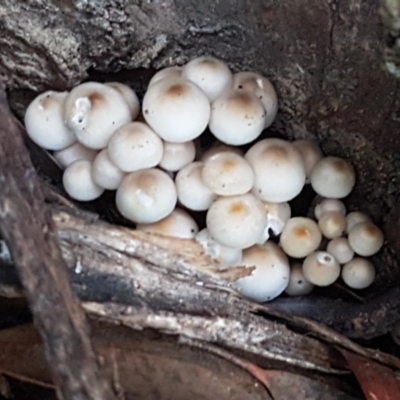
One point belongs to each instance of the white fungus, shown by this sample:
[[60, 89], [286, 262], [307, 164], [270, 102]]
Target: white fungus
[[328, 205], [277, 216], [366, 239], [105, 173], [177, 155], [220, 148], [321, 268], [168, 72], [298, 283], [359, 273], [341, 250], [355, 217], [332, 224], [311, 154], [73, 153], [129, 96]]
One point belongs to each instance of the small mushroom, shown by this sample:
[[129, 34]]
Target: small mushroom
[[356, 217], [177, 155], [78, 182], [271, 275], [129, 95], [146, 196], [73, 153], [311, 154], [277, 216], [366, 239], [321, 268], [168, 72], [44, 121], [237, 117], [340, 249], [217, 148], [135, 146], [300, 237], [332, 224], [359, 273], [93, 111], [333, 177], [236, 221], [328, 205], [105, 173], [298, 283]]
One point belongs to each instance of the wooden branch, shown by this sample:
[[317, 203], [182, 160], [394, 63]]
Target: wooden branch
[[27, 227]]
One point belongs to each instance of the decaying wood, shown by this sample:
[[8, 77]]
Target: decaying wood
[[27, 227]]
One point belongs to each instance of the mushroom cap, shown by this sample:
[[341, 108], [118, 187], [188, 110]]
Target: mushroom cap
[[355, 217], [340, 249], [129, 95], [211, 75], [311, 154], [105, 173], [333, 177], [192, 192], [298, 283], [366, 239], [271, 275], [359, 273], [278, 170], [176, 109], [73, 153], [321, 268], [227, 174], [44, 121], [227, 256], [78, 182], [177, 155], [332, 224], [135, 146], [277, 216], [168, 72], [300, 237], [328, 205], [237, 117], [146, 196], [262, 88], [178, 224], [219, 148], [236, 221], [87, 111]]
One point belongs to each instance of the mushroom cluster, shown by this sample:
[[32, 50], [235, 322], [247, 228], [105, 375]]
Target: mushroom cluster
[[149, 154]]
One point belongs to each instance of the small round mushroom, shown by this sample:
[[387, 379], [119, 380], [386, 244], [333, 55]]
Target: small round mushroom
[[300, 237], [298, 283], [329, 205], [168, 72], [262, 88], [277, 216], [356, 217], [78, 182], [192, 192], [176, 109], [135, 146], [366, 239], [44, 121], [359, 273], [93, 111], [332, 224], [340, 249], [211, 75], [219, 148], [321, 268], [333, 177], [129, 95], [178, 224], [73, 153], [227, 256], [236, 221], [177, 155], [271, 275], [146, 196], [227, 174], [237, 117], [105, 173], [311, 154], [278, 170]]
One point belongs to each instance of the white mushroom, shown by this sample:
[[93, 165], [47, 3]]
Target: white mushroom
[[356, 217], [328, 205], [146, 196], [129, 95], [168, 72], [271, 275], [366, 239], [278, 170], [177, 155], [300, 237], [321, 268], [236, 221], [192, 192], [177, 224], [227, 174], [44, 121], [73, 153], [78, 182], [176, 109], [298, 283], [359, 273], [237, 117], [340, 249], [93, 111], [211, 75], [135, 146], [105, 173], [277, 216], [262, 88], [333, 177], [219, 148], [332, 224], [311, 154]]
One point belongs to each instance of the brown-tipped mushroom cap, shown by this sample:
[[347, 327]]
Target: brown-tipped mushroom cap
[[328, 205], [366, 239], [332, 224], [168, 72], [355, 217], [311, 154], [321, 268], [359, 273]]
